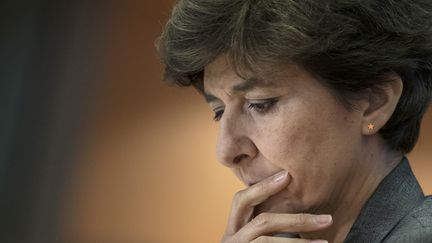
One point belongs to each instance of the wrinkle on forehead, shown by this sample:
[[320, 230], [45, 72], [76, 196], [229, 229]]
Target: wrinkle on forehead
[[265, 75]]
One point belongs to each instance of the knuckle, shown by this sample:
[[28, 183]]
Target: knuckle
[[301, 219], [260, 186], [230, 239], [225, 239], [261, 220], [239, 197], [261, 239]]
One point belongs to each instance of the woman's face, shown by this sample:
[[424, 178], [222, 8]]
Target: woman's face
[[285, 121]]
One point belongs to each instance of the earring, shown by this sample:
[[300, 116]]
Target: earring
[[370, 126]]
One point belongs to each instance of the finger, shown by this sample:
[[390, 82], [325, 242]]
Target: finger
[[246, 199], [266, 223], [269, 239]]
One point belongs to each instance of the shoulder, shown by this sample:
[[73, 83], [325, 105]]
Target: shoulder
[[416, 226]]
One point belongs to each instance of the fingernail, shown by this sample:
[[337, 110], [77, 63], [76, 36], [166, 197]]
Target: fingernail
[[319, 241], [280, 176], [323, 219]]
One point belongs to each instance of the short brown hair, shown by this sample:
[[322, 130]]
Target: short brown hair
[[350, 45]]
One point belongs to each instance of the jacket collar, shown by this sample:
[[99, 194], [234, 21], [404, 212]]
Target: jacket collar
[[396, 195]]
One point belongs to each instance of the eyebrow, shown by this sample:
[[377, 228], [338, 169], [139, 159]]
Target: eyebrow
[[247, 85]]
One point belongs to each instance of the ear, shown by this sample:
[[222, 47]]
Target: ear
[[381, 105]]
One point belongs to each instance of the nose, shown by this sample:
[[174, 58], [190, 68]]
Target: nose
[[234, 145]]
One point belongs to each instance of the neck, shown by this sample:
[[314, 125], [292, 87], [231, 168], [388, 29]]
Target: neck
[[358, 188]]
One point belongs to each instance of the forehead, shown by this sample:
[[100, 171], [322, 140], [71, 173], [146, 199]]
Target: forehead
[[222, 74]]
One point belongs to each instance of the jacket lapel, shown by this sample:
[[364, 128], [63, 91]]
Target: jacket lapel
[[397, 194]]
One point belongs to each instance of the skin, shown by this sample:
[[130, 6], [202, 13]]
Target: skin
[[333, 161]]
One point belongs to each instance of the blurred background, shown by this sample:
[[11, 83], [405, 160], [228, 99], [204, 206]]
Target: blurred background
[[94, 147]]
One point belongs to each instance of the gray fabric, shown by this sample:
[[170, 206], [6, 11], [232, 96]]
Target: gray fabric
[[396, 212]]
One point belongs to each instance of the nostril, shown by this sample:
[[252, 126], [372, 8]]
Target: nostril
[[239, 158]]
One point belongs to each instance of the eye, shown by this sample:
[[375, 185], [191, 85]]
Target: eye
[[263, 106], [218, 115]]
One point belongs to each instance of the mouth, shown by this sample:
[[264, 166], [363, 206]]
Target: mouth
[[254, 180], [249, 184], [250, 179]]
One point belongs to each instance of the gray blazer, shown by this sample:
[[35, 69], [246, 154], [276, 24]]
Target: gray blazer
[[398, 211]]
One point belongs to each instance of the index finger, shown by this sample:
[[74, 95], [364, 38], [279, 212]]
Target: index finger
[[245, 200]]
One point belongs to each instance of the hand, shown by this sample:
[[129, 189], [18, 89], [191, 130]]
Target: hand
[[242, 228]]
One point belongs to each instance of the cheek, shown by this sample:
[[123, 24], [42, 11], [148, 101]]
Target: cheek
[[297, 143], [294, 142], [310, 145], [298, 151]]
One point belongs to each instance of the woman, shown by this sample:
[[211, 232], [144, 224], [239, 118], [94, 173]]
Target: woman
[[318, 103]]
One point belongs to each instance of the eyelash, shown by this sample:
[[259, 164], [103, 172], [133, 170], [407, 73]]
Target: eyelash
[[261, 108], [218, 115]]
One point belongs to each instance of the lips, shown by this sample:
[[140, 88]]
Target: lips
[[254, 180], [250, 178], [251, 182]]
